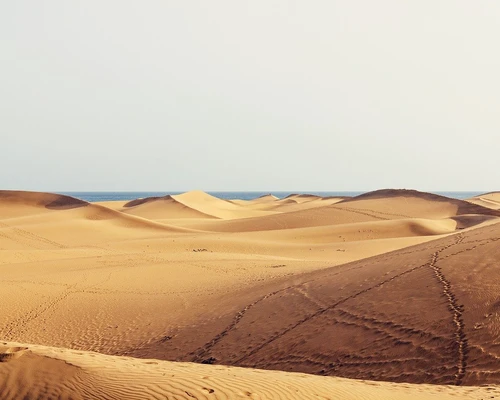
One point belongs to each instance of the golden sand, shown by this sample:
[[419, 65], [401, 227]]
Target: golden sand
[[393, 286]]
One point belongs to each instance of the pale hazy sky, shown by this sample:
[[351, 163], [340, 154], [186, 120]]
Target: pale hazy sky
[[249, 95]]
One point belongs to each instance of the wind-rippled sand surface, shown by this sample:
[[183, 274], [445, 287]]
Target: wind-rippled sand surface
[[394, 286]]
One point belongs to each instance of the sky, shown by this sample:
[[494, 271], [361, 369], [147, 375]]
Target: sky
[[249, 95]]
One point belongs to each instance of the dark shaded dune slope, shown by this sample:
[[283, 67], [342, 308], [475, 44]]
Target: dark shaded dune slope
[[425, 314], [57, 208], [144, 200], [38, 199]]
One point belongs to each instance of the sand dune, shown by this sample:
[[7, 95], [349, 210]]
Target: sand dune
[[290, 203], [260, 203], [193, 205], [64, 259], [267, 198], [309, 217], [370, 207], [302, 198], [162, 208], [391, 204], [488, 200], [426, 314], [29, 371], [18, 203], [211, 205], [269, 283], [370, 230], [60, 222]]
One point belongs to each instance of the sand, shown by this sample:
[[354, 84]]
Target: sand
[[489, 200], [394, 286], [40, 372]]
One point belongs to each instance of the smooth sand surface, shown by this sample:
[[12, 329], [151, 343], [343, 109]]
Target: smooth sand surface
[[367, 287]]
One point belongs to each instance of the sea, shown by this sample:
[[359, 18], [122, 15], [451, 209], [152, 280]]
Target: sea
[[112, 196]]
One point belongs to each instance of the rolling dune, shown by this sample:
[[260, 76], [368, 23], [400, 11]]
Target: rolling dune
[[18, 203], [392, 285], [392, 203], [425, 314], [162, 208], [488, 200], [218, 208], [397, 204]]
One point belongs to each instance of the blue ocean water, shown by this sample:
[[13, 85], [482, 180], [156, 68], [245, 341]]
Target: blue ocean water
[[110, 196]]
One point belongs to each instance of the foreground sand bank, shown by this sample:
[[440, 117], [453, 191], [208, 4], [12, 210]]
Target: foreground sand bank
[[38, 372]]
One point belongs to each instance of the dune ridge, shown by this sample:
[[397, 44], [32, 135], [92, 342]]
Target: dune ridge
[[48, 200], [162, 208], [488, 200], [428, 201]]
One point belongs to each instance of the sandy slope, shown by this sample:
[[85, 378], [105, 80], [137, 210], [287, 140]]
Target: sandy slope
[[162, 208], [219, 208], [489, 200], [38, 372], [429, 313], [162, 277]]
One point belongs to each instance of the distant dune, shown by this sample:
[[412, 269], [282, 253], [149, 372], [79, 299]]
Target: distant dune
[[393, 285], [162, 208], [195, 204], [18, 203], [488, 200], [412, 203]]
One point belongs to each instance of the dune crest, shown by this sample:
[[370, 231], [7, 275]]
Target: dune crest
[[17, 203], [166, 207], [488, 200], [412, 203], [214, 206]]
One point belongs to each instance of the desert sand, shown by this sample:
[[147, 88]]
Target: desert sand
[[29, 371], [490, 200], [132, 299]]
